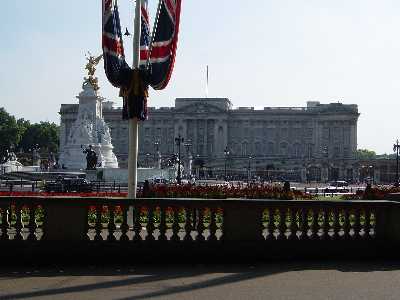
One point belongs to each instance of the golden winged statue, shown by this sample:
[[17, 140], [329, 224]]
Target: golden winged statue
[[92, 62]]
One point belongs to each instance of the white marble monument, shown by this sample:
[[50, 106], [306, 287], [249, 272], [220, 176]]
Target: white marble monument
[[89, 128]]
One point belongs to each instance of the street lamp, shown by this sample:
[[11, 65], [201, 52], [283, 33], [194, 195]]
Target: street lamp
[[198, 166], [179, 140], [148, 160], [35, 152], [396, 148], [157, 155], [249, 169], [187, 145], [371, 174], [156, 146], [226, 153]]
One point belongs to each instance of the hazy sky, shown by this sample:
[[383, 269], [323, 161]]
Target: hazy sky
[[260, 53]]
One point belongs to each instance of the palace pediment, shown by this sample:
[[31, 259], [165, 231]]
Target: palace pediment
[[200, 108]]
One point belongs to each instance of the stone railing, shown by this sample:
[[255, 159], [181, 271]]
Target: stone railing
[[208, 229]]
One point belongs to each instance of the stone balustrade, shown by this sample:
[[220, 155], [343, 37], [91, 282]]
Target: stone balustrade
[[197, 227]]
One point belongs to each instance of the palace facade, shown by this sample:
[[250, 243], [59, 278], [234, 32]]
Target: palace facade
[[315, 142]]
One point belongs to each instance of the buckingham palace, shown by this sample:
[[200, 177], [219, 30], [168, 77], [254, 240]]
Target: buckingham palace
[[315, 142]]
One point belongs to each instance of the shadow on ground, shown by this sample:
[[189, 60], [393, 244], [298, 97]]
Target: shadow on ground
[[135, 275]]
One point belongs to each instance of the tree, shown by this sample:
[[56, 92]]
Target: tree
[[21, 134], [10, 131], [365, 154], [43, 134]]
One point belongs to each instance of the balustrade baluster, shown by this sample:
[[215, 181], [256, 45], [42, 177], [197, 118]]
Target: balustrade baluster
[[137, 226], [346, 224], [18, 223], [150, 224], [32, 223], [357, 224], [111, 224], [293, 224], [124, 226], [263, 226], [367, 224], [86, 226], [221, 227], [336, 224], [325, 224], [303, 226], [372, 223], [99, 225], [4, 223], [175, 226], [163, 225], [213, 226], [270, 225], [188, 226], [43, 224], [282, 224], [200, 226], [314, 224], [195, 220]]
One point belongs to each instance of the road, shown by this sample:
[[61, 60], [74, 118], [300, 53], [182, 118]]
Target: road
[[278, 280]]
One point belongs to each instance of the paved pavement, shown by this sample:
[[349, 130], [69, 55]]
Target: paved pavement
[[285, 280]]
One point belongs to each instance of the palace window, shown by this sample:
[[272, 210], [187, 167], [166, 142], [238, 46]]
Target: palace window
[[245, 149], [297, 150], [283, 149]]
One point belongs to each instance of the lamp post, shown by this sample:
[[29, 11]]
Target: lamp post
[[179, 140], [325, 155], [187, 145], [147, 160], [226, 153], [35, 153], [249, 170], [157, 155], [396, 148], [198, 166], [371, 174]]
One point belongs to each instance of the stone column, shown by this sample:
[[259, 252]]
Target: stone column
[[225, 134], [217, 142], [356, 174], [206, 139], [353, 138], [303, 174], [324, 174], [317, 138], [342, 173], [195, 141], [377, 175]]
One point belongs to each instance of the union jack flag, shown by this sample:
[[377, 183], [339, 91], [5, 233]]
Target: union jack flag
[[157, 53], [164, 43], [144, 36], [116, 68]]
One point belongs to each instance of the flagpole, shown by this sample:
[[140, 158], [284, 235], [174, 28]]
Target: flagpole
[[207, 83], [133, 123]]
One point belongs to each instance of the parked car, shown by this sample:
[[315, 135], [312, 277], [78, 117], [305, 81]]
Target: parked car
[[338, 186], [66, 185], [339, 183]]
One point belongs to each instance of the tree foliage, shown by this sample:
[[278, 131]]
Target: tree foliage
[[10, 131], [21, 135], [365, 154], [43, 135]]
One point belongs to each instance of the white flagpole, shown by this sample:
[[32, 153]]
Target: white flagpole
[[207, 84], [133, 123]]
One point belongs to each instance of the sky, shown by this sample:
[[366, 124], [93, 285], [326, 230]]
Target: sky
[[260, 53]]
